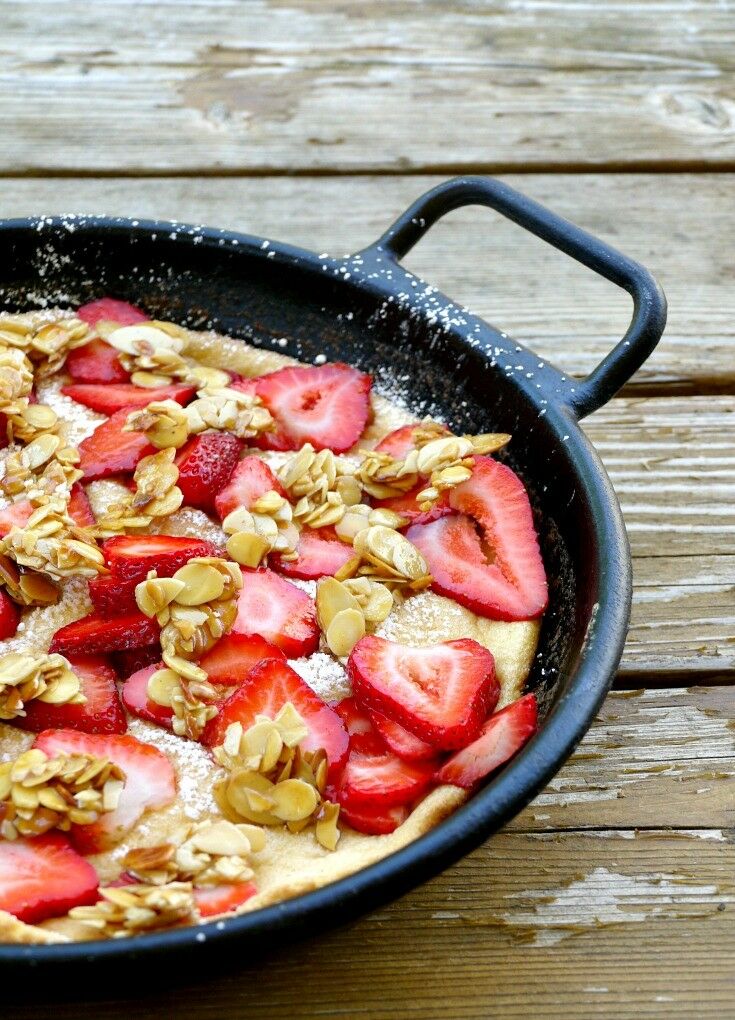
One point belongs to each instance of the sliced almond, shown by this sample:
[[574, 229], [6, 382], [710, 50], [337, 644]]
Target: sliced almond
[[294, 800], [344, 631]]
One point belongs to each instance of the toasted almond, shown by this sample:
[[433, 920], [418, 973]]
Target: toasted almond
[[162, 685], [203, 583], [248, 548], [293, 800], [332, 597], [344, 631]]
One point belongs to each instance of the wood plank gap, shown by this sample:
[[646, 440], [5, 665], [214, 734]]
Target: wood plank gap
[[398, 170], [632, 680]]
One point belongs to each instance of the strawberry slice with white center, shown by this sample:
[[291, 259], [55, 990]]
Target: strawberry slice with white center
[[441, 693], [110, 310], [223, 899], [502, 737], [374, 821], [9, 616], [110, 451], [400, 740], [231, 660], [325, 405], [44, 877], [102, 712], [110, 397], [94, 634], [96, 362], [357, 723], [320, 554], [510, 584], [15, 516], [267, 688], [130, 557], [150, 781], [249, 480], [375, 779], [136, 700], [279, 611]]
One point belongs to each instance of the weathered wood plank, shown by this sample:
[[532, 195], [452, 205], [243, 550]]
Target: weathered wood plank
[[397, 86], [676, 225], [652, 758], [618, 924]]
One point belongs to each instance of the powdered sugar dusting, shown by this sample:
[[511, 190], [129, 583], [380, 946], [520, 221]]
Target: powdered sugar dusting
[[80, 422], [308, 586], [39, 625], [195, 770], [325, 675]]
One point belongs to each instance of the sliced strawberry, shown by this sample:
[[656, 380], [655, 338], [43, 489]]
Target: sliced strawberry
[[376, 779], [102, 712], [205, 465], [400, 740], [129, 662], [265, 691], [96, 362], [441, 693], [374, 821], [149, 781], [9, 616], [357, 722], [511, 585], [278, 611], [231, 660], [325, 405], [109, 450], [15, 515], [276, 438], [93, 634], [130, 557], [250, 479], [80, 509], [112, 310], [112, 597], [407, 506], [223, 899], [136, 700], [398, 442], [321, 554], [108, 397], [44, 877], [502, 736]]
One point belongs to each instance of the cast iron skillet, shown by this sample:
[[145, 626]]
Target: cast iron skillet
[[366, 309]]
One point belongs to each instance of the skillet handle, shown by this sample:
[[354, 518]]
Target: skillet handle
[[649, 302]]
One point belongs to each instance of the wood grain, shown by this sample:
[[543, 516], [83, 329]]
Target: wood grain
[[678, 226], [270, 85]]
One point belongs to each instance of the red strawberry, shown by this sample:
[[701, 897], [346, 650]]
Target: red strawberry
[[9, 616], [223, 899], [400, 740], [93, 634], [441, 693], [502, 736], [44, 877], [357, 723], [374, 821], [265, 691], [112, 310], [407, 506], [96, 362], [149, 781], [109, 450], [513, 585], [205, 465], [129, 662], [101, 713], [251, 478], [130, 557], [321, 554], [325, 405], [108, 397], [136, 700], [112, 597], [398, 442], [234, 656], [80, 509], [15, 515], [278, 611], [376, 779], [276, 438]]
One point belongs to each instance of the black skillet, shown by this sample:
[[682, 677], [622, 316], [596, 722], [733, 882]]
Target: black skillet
[[367, 310]]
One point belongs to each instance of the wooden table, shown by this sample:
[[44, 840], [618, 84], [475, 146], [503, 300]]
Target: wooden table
[[316, 122]]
